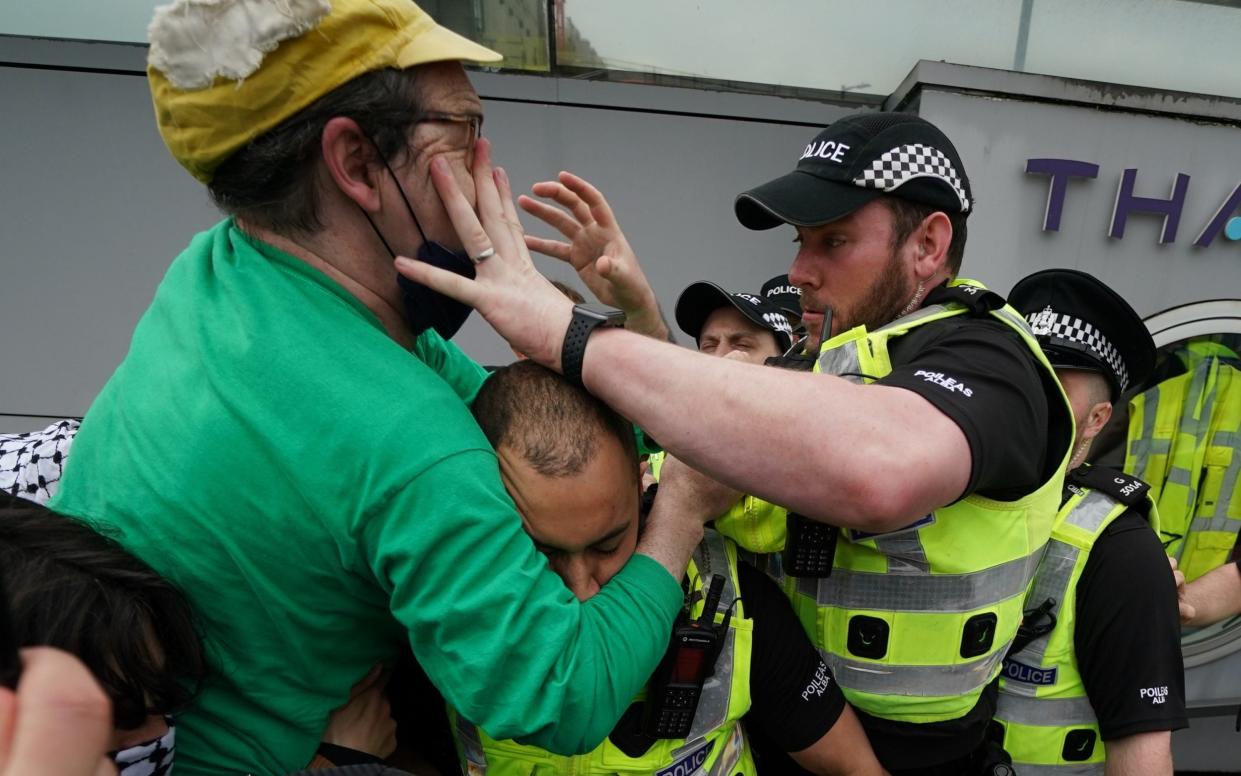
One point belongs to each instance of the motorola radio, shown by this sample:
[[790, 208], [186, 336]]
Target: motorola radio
[[676, 686]]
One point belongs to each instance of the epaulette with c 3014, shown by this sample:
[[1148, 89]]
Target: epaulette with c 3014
[[1125, 488]]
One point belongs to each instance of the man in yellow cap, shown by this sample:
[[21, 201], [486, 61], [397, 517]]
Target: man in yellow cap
[[289, 438]]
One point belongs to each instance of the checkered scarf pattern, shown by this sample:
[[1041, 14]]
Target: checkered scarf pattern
[[898, 166], [1049, 323], [31, 464]]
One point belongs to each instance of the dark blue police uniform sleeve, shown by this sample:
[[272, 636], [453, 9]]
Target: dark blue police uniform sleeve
[[1127, 632], [794, 699]]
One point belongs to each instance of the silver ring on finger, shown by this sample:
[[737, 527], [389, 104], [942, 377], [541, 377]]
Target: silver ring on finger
[[480, 258]]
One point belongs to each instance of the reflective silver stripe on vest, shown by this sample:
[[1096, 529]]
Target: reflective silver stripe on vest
[[1228, 485], [848, 589], [915, 681], [1051, 580], [905, 553], [1197, 426], [842, 362], [1016, 320], [912, 319], [1047, 712], [1222, 524], [711, 557], [1091, 511], [1179, 475], [1142, 448], [1076, 769]]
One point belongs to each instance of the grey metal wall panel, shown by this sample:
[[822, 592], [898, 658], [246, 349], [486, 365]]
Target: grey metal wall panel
[[92, 210], [996, 135]]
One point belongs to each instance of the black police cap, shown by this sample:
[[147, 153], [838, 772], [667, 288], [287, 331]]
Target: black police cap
[[1083, 324], [700, 299], [783, 294], [856, 160]]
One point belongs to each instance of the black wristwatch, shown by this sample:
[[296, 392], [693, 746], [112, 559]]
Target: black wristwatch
[[586, 318]]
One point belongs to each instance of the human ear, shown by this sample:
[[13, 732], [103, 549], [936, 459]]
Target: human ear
[[352, 161], [1096, 419], [932, 240]]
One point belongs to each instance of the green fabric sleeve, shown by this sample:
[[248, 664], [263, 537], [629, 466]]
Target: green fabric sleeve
[[454, 367], [495, 629], [646, 444]]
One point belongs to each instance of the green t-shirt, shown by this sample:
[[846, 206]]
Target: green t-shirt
[[318, 493]]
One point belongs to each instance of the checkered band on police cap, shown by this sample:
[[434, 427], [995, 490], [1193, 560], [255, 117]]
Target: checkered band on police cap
[[776, 321], [899, 165], [1076, 332]]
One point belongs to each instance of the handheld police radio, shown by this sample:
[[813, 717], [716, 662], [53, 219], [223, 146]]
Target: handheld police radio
[[676, 686], [810, 547]]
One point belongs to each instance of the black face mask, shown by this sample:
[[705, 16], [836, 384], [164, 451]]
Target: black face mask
[[426, 308]]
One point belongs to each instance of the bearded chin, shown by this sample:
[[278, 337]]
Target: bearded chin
[[887, 297]]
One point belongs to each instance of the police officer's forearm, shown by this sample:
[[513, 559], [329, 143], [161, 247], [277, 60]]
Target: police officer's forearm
[[670, 539], [1144, 754], [674, 526], [1215, 595], [863, 456]]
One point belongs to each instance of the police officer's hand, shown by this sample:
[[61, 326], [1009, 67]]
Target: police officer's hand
[[58, 722], [695, 493], [508, 291], [596, 248], [1187, 610]]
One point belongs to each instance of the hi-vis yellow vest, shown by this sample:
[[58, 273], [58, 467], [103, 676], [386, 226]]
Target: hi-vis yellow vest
[[1050, 728], [1185, 440], [717, 743], [916, 622], [755, 525]]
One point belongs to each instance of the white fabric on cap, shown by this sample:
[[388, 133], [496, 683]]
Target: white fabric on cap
[[1049, 323], [897, 166], [193, 42]]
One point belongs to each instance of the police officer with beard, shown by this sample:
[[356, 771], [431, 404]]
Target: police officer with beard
[[934, 434]]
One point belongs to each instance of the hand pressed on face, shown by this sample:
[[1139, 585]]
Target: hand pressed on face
[[508, 291], [596, 249]]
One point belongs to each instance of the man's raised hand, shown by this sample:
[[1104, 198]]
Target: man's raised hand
[[596, 249]]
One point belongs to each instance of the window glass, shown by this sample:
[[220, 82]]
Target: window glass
[[851, 47]]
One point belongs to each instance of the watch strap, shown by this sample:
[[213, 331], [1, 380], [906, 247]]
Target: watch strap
[[573, 351]]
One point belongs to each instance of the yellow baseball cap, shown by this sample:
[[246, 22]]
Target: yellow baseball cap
[[223, 72]]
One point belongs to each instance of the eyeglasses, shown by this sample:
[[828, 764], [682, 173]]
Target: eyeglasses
[[463, 128]]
